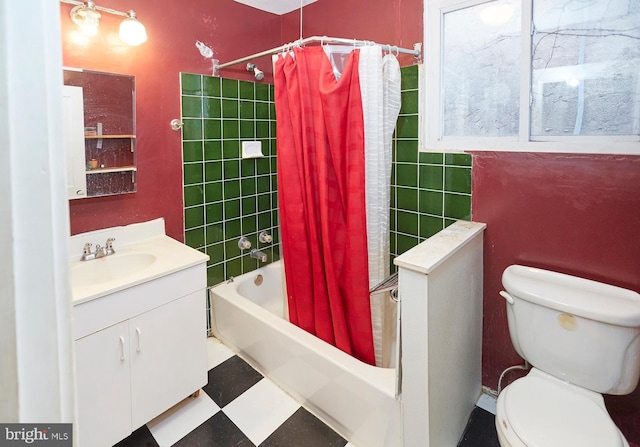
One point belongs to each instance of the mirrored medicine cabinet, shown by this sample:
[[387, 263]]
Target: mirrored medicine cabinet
[[99, 122]]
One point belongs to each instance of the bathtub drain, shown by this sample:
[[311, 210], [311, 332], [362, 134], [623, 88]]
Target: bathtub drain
[[258, 280]]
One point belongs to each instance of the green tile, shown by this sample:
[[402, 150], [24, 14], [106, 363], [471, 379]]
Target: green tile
[[230, 149], [392, 220], [215, 233], [195, 237], [273, 164], [264, 202], [409, 77], [193, 195], [234, 268], [231, 169], [263, 166], [212, 150], [213, 212], [407, 223], [248, 167], [211, 86], [247, 90], [430, 202], [262, 129], [407, 127], [264, 221], [215, 275], [457, 206], [431, 177], [212, 129], [409, 102], [232, 209], [249, 224], [194, 217], [457, 179], [262, 92], [192, 173], [192, 129], [275, 218], [190, 84], [192, 151], [249, 264], [231, 189], [430, 225], [406, 151], [191, 107], [406, 174], [392, 243], [213, 192], [434, 158], [274, 200], [457, 159], [248, 205], [212, 171], [232, 229], [229, 88], [393, 192], [272, 111], [274, 182], [229, 108], [262, 110], [407, 199], [263, 184], [404, 243], [247, 130], [211, 108], [230, 129], [246, 110], [216, 253], [248, 185]]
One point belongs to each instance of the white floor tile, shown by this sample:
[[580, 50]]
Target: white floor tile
[[487, 402], [217, 352], [178, 421], [260, 410]]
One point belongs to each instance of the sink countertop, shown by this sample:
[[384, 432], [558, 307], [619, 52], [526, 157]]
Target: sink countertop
[[171, 256]]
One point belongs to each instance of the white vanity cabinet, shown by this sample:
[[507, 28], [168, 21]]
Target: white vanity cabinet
[[139, 351]]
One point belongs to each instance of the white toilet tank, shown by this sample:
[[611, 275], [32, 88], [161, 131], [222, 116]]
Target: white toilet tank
[[581, 331]]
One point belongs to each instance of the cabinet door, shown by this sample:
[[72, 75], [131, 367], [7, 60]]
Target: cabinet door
[[73, 141], [169, 359], [103, 387]]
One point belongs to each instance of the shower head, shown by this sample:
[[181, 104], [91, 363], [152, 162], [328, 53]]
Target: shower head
[[257, 73]]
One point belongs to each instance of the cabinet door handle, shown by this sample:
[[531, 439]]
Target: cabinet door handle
[[121, 348], [138, 348]]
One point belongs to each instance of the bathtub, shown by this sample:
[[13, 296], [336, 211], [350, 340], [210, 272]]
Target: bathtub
[[355, 399]]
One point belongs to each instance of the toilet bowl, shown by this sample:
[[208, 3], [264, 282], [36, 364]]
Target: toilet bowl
[[539, 410], [583, 339]]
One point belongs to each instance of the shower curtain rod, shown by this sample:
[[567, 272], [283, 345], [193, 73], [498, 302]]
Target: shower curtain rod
[[416, 52]]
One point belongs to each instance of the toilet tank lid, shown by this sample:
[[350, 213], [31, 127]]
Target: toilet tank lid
[[574, 295]]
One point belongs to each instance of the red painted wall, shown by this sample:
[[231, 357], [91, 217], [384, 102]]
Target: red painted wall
[[233, 30], [575, 214]]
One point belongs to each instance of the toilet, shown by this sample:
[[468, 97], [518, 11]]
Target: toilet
[[582, 339]]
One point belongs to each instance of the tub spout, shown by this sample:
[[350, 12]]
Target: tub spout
[[257, 254]]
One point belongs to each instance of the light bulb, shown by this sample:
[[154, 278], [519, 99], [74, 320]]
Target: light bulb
[[87, 18], [132, 31]]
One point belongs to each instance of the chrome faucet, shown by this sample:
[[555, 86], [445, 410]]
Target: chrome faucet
[[257, 254], [101, 252]]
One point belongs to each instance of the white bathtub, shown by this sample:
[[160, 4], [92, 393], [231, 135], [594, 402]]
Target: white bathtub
[[355, 399]]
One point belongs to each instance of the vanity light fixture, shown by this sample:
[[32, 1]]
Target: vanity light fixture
[[87, 16]]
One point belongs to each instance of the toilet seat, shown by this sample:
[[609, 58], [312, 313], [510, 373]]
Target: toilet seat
[[543, 413]]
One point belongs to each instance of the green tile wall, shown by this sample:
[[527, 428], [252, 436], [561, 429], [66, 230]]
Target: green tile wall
[[429, 191], [225, 196]]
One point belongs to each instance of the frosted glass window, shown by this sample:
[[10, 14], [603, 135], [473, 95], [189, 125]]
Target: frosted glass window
[[585, 76], [480, 70]]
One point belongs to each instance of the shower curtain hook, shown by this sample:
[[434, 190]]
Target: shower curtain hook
[[322, 40], [397, 51]]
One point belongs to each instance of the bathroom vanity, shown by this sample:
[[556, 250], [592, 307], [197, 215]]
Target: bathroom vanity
[[139, 329]]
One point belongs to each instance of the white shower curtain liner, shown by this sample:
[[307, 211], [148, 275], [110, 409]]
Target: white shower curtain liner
[[380, 87]]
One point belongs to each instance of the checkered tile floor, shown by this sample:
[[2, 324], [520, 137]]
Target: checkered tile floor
[[239, 407]]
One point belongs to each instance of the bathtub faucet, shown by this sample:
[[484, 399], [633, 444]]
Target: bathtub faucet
[[257, 254]]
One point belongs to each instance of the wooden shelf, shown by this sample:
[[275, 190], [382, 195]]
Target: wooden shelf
[[107, 137], [114, 169]]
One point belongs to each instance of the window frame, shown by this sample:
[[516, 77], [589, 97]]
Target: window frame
[[431, 130]]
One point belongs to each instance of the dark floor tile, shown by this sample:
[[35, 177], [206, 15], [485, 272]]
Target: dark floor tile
[[480, 431], [230, 379], [142, 437], [217, 431], [304, 429]]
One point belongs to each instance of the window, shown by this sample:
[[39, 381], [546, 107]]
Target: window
[[533, 75]]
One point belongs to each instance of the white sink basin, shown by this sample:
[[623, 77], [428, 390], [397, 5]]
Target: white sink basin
[[109, 268]]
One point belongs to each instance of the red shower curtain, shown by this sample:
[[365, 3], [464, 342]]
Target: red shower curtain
[[320, 144]]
